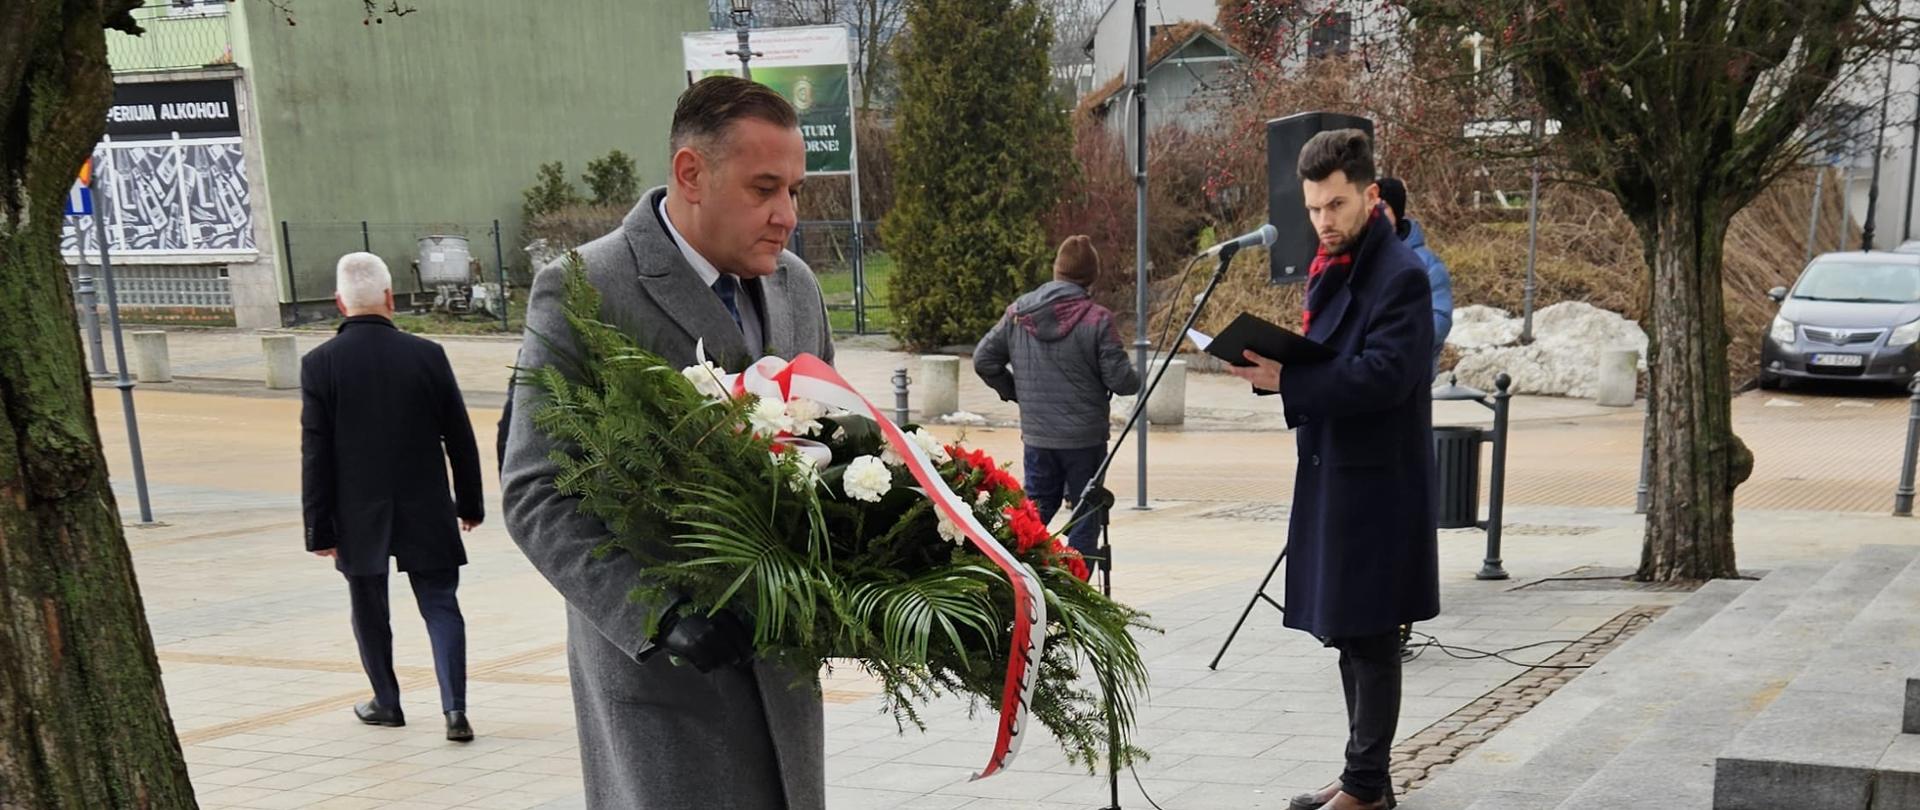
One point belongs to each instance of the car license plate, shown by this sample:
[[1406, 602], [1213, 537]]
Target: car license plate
[[1839, 360]]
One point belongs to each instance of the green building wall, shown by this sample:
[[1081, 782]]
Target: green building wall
[[435, 121]]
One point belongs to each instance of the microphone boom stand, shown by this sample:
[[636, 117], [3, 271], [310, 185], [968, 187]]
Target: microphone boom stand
[[1096, 496]]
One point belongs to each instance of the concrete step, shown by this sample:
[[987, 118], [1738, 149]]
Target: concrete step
[[1605, 709], [1494, 762], [1832, 740], [1722, 682], [1649, 692]]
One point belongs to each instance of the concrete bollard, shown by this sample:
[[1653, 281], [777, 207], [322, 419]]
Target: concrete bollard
[[283, 362], [1168, 405], [940, 386], [150, 361], [1619, 378]]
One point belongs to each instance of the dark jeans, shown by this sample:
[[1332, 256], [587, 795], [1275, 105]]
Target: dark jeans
[[1370, 676], [446, 628], [1054, 476]]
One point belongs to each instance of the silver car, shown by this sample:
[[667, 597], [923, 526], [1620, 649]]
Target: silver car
[[1852, 316]]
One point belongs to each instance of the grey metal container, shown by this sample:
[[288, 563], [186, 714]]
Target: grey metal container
[[444, 260]]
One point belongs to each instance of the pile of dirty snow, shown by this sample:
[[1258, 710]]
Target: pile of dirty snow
[[1564, 358]]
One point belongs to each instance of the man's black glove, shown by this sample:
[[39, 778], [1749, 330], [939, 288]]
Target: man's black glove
[[706, 642]]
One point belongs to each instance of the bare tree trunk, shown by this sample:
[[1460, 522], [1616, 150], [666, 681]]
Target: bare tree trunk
[[83, 718], [1697, 460]]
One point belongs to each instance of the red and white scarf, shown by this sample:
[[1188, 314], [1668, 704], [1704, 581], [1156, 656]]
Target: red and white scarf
[[1329, 271]]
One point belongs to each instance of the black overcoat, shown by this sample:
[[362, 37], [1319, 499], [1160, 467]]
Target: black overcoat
[[380, 419], [1362, 553]]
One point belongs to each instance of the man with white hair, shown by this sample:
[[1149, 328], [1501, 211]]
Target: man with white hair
[[380, 418]]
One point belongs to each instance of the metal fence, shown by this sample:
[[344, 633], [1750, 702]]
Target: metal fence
[[178, 35], [309, 251], [854, 275]]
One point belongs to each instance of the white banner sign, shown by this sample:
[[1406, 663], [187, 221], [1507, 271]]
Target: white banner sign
[[706, 51]]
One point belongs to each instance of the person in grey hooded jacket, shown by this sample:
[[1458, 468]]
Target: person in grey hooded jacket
[[1056, 352]]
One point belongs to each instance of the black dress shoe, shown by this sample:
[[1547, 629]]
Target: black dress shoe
[[374, 714], [457, 728]]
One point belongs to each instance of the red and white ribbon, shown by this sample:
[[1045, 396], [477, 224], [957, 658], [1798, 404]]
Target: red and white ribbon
[[809, 377]]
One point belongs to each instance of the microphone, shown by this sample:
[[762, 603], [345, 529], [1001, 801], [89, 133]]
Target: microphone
[[1265, 236]]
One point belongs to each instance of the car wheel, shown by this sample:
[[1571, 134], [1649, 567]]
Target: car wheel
[[1769, 382]]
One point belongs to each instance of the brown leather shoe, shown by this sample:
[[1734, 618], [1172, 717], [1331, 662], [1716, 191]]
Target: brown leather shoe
[[1345, 801], [1315, 799]]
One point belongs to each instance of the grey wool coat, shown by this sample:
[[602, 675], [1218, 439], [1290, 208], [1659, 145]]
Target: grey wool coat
[[656, 736]]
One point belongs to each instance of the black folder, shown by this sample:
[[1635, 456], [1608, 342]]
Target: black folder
[[1250, 333]]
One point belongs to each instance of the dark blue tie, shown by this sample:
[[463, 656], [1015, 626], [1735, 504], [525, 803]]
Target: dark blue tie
[[728, 287]]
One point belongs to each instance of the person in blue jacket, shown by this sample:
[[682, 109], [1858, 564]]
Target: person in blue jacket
[[1394, 193]]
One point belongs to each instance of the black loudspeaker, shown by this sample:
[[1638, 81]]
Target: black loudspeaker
[[1286, 207]]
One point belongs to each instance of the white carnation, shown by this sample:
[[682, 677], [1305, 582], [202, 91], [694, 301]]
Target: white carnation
[[769, 418], [867, 479], [949, 531], [805, 414], [929, 443], [804, 476], [806, 459], [706, 379]]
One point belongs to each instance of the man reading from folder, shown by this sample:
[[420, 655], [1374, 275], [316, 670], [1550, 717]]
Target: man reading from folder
[[1362, 557]]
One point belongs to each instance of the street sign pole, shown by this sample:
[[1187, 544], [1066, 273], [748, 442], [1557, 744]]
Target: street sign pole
[[125, 383], [80, 204]]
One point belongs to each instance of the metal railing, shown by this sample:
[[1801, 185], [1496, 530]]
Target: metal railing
[[176, 36], [854, 274]]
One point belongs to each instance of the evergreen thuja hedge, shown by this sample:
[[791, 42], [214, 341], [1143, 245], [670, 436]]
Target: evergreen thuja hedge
[[983, 148]]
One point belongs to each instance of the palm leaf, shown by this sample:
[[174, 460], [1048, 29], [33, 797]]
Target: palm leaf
[[909, 613]]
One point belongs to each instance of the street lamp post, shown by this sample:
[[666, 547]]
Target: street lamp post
[[1879, 143], [742, 24]]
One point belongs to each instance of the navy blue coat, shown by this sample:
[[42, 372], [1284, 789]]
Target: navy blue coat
[[1362, 552]]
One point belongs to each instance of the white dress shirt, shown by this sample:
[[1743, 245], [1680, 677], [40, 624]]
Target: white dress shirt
[[749, 314]]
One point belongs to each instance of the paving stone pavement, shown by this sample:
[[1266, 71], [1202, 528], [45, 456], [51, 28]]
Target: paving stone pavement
[[261, 670]]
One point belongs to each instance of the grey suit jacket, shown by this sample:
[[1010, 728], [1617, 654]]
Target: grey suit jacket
[[654, 735]]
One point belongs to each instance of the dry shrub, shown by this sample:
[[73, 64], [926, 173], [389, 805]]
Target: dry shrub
[[827, 197], [1210, 182], [1101, 201], [571, 226], [1588, 251]]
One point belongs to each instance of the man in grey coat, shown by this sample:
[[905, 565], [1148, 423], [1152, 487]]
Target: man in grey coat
[[1056, 352], [701, 259]]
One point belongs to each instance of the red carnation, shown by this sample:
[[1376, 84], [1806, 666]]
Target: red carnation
[[1077, 564], [1029, 531], [1001, 480]]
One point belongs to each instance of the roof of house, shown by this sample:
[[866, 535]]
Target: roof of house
[[1169, 41]]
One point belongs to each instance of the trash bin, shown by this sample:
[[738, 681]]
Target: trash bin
[[1456, 458]]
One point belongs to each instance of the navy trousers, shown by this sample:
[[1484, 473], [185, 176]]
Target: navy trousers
[[446, 628], [1056, 476]]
